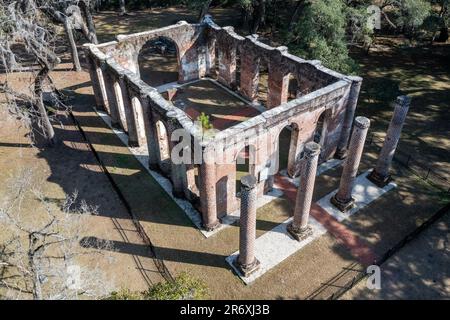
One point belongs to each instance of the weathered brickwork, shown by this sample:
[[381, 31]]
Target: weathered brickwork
[[149, 119]]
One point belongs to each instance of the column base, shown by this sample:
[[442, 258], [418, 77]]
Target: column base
[[298, 233], [247, 269], [293, 173], [133, 144], [211, 226], [116, 125], [379, 180], [341, 154], [178, 194], [100, 107], [343, 206]]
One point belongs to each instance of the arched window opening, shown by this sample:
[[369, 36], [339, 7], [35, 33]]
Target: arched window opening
[[238, 68], [245, 163], [215, 73], [139, 120], [284, 146], [159, 62], [120, 105], [263, 82], [293, 91], [320, 128], [163, 141]]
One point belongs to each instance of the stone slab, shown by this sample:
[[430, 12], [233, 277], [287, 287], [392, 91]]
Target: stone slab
[[277, 244]]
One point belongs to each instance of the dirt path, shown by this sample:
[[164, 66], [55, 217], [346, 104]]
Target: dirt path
[[420, 270], [71, 166]]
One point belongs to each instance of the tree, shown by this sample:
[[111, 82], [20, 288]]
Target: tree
[[320, 33], [28, 29], [253, 14], [25, 29], [439, 21], [40, 257], [411, 14], [122, 7], [183, 287]]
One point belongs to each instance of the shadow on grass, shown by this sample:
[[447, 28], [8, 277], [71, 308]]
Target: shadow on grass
[[167, 254]]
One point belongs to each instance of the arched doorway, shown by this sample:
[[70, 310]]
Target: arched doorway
[[245, 164], [159, 62], [139, 120], [319, 133], [287, 150], [293, 91], [237, 83], [163, 141], [120, 106], [263, 82]]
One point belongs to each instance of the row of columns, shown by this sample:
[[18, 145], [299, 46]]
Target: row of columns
[[299, 228], [114, 91], [131, 111], [380, 175]]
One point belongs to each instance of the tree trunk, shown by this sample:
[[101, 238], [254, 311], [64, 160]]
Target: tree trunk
[[204, 9], [122, 7], [245, 19], [37, 288], [47, 127], [73, 46], [86, 12], [258, 15], [298, 9], [443, 34]]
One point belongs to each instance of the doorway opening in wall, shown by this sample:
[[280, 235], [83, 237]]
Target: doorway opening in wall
[[163, 146], [120, 106], [245, 162], [215, 72], [320, 128], [263, 82], [292, 88], [139, 120], [237, 83], [284, 145], [159, 62]]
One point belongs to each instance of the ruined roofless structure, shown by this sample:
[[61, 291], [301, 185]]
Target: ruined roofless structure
[[206, 51]]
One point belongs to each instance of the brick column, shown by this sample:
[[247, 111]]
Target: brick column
[[343, 198], [299, 228], [149, 133], [176, 171], [380, 175], [211, 57], [246, 261], [129, 115], [249, 75], [278, 84], [111, 96], [208, 199], [94, 77], [227, 61], [352, 102]]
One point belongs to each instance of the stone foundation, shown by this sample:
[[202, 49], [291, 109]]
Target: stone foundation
[[150, 119]]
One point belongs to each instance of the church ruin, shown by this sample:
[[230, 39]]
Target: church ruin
[[312, 101]]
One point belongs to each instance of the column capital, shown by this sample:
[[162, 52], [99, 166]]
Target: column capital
[[311, 149], [362, 122], [248, 182], [354, 78], [403, 101]]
